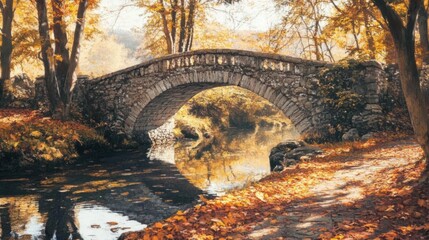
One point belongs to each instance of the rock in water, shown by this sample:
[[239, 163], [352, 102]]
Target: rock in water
[[286, 146], [289, 153]]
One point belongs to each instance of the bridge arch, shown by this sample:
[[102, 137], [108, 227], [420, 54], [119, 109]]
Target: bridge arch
[[140, 98], [160, 102]]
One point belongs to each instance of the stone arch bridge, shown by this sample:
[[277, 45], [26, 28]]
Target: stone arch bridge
[[139, 99]]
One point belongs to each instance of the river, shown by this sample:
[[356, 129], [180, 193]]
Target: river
[[128, 190]]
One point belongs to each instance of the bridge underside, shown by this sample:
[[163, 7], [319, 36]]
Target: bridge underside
[[161, 109]]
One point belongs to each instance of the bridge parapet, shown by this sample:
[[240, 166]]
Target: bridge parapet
[[217, 57]]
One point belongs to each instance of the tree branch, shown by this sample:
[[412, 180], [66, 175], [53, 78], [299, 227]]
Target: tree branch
[[412, 14], [392, 19]]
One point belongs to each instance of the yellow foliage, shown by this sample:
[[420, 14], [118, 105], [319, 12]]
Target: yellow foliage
[[36, 134], [47, 157]]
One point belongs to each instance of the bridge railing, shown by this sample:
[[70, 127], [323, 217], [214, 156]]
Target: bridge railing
[[217, 57]]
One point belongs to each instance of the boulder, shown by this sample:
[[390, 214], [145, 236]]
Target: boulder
[[289, 153], [286, 146], [351, 135], [19, 92], [300, 152]]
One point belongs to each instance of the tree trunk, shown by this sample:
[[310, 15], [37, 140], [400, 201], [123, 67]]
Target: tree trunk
[[6, 47], [423, 31], [403, 37], [166, 30], [48, 59], [316, 42], [190, 25], [62, 58], [413, 95], [355, 36], [369, 37], [173, 20], [182, 33], [424, 44], [71, 77]]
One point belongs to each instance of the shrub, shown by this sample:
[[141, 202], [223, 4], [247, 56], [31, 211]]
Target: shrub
[[336, 86], [27, 139]]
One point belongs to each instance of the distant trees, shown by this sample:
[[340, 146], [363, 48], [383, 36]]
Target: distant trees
[[329, 30], [361, 20], [276, 39], [176, 18], [307, 18], [181, 23]]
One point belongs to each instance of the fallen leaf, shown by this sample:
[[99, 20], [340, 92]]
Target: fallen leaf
[[260, 196], [158, 225]]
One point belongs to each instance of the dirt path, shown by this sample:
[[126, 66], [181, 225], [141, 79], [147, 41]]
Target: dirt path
[[330, 205], [359, 194]]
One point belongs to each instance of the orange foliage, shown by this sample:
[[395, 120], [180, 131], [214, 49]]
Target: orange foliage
[[382, 173], [28, 138]]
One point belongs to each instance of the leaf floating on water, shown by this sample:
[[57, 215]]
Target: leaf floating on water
[[95, 226], [112, 223]]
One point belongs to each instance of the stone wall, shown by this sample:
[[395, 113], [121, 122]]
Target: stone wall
[[79, 93], [19, 92], [394, 89], [372, 85]]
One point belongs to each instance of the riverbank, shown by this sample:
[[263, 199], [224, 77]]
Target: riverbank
[[362, 190], [29, 140]]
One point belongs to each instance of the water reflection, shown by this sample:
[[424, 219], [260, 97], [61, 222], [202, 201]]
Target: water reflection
[[101, 229], [125, 192], [95, 201], [225, 160]]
